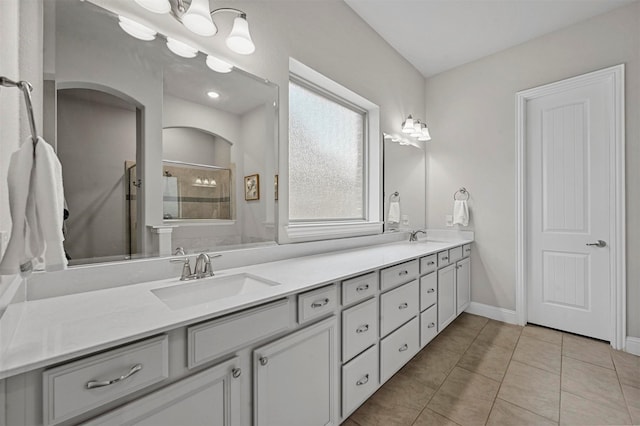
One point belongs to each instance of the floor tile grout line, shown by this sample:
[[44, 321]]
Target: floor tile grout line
[[624, 397]]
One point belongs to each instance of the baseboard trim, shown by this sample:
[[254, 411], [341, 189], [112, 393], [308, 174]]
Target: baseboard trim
[[633, 345], [493, 312]]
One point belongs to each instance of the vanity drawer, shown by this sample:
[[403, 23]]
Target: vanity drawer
[[398, 348], [213, 339], [79, 386], [428, 325], [359, 380], [395, 275], [428, 290], [316, 303], [359, 288], [466, 250], [428, 264], [398, 306], [455, 254], [443, 258], [359, 328]]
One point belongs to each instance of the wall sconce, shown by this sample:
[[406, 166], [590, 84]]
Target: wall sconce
[[412, 130], [197, 18]]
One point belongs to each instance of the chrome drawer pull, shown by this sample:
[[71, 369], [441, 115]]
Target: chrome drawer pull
[[431, 290], [320, 303], [100, 384], [431, 263], [445, 257], [363, 381], [362, 287], [401, 273], [431, 325], [363, 328], [403, 348], [236, 372], [264, 360], [404, 305]]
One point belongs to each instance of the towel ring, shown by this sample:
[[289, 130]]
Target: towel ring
[[463, 192], [395, 196]]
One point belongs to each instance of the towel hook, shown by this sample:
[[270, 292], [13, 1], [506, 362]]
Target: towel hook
[[463, 192], [26, 88]]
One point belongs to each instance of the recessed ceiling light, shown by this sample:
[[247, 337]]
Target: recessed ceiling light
[[213, 95]]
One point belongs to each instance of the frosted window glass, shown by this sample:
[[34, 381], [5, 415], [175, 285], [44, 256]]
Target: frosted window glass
[[326, 158]]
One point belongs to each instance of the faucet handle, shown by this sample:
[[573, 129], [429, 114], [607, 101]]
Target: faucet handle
[[186, 267], [208, 269]]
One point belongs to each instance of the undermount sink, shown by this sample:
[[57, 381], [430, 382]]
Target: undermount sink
[[205, 290]]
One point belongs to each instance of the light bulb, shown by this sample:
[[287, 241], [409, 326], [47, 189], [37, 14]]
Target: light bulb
[[155, 6], [205, 181], [180, 48], [425, 136], [213, 95], [407, 126], [135, 29], [218, 65], [198, 18], [198, 181], [213, 183], [239, 40]]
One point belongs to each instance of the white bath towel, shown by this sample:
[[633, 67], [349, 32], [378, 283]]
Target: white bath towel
[[394, 212], [460, 213], [36, 201]]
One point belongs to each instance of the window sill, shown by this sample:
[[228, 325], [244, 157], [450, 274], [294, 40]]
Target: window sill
[[326, 231]]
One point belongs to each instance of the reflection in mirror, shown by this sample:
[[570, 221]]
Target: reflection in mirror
[[151, 161]]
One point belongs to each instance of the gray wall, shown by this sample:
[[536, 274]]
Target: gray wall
[[195, 146], [471, 114]]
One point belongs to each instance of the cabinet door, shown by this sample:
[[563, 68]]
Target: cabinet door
[[296, 378], [447, 307], [463, 283], [208, 398]]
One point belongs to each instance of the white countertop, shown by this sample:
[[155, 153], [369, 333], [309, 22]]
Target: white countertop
[[60, 328]]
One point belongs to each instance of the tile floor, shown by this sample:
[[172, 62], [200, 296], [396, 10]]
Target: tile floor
[[480, 371]]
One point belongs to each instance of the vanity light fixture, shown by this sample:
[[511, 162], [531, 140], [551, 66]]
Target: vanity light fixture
[[416, 129], [218, 65], [180, 48], [213, 95], [135, 29], [407, 126], [155, 6], [198, 20]]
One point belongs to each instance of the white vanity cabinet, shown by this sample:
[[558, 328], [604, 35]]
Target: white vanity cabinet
[[296, 378], [447, 306], [463, 284], [211, 398]]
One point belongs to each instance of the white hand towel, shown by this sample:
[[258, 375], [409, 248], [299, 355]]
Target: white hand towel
[[36, 200], [460, 213], [394, 212]]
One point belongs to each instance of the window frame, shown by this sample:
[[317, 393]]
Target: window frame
[[309, 230]]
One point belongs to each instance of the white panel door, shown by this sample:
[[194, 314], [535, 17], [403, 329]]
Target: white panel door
[[568, 138]]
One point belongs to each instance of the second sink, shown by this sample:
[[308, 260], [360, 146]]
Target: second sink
[[206, 290]]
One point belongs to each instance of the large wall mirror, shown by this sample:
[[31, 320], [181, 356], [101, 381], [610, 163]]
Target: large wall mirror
[[154, 147]]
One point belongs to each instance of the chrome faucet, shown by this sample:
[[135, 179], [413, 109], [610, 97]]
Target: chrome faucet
[[202, 269], [414, 235]]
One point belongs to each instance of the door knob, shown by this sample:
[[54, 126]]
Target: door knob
[[600, 243]]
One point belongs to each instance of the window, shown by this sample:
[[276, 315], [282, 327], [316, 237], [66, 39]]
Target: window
[[334, 159]]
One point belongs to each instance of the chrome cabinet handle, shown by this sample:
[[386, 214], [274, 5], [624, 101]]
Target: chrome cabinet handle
[[445, 257], [431, 263], [362, 287], [600, 244], [264, 360], [92, 384], [363, 328], [431, 325], [403, 348], [236, 372], [320, 303], [401, 273], [404, 305], [363, 381], [431, 290]]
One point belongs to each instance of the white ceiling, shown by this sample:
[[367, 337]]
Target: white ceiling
[[437, 35]]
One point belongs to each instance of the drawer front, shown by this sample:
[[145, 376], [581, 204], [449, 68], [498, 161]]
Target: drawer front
[[398, 306], [428, 264], [466, 250], [316, 303], [359, 380], [213, 339], [455, 254], [428, 325], [76, 387], [359, 328], [443, 258], [398, 274], [398, 348], [428, 290], [359, 288]]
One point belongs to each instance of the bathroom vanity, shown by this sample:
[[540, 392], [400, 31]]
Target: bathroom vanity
[[303, 341]]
